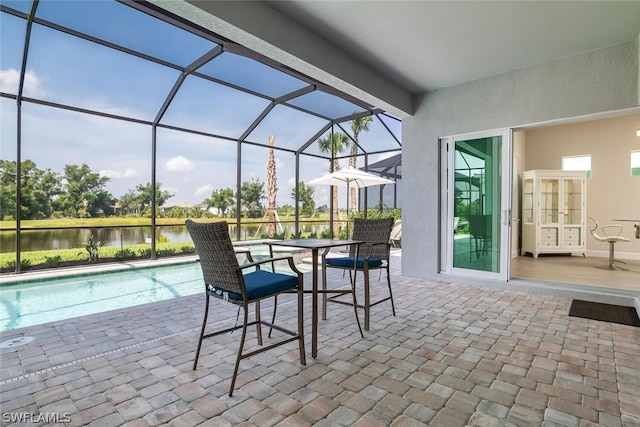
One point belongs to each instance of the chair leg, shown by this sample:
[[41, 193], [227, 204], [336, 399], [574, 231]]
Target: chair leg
[[258, 324], [611, 266], [355, 301], [273, 319], [612, 258], [303, 357], [204, 324], [324, 291], [367, 298], [242, 339], [393, 307]]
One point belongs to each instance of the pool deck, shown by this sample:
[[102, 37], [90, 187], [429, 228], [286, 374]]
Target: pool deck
[[454, 355]]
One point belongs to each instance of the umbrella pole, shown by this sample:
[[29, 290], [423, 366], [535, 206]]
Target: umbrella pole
[[348, 191]]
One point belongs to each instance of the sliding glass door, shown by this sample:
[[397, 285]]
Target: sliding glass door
[[476, 204]]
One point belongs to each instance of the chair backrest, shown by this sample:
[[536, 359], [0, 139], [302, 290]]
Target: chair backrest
[[611, 231], [372, 231], [218, 260]]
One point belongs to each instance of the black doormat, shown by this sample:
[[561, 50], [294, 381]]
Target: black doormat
[[604, 312]]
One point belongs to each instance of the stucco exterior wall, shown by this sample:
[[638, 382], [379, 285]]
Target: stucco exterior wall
[[598, 81]]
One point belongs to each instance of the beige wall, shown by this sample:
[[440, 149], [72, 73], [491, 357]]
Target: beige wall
[[611, 191]]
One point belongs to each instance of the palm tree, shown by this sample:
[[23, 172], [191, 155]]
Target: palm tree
[[334, 143], [272, 187], [361, 124]]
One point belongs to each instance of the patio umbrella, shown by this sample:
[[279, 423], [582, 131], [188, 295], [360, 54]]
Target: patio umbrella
[[352, 178]]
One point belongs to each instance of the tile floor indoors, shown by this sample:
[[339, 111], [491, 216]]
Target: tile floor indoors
[[454, 355]]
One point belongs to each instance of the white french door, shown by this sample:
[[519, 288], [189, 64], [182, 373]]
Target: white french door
[[476, 204]]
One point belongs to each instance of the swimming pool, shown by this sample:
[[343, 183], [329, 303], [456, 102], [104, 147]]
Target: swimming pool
[[64, 298], [59, 298]]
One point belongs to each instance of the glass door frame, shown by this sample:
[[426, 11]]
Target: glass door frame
[[447, 200]]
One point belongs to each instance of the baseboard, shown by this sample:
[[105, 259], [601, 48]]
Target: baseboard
[[618, 255]]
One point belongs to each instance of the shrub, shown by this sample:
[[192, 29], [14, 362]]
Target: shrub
[[145, 252], [188, 249], [52, 261], [93, 248], [167, 251], [25, 264], [125, 253]]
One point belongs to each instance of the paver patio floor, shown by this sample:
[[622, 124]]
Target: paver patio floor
[[453, 355]]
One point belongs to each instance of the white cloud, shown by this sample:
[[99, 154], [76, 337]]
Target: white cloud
[[172, 190], [179, 164], [128, 173], [10, 78], [204, 190]]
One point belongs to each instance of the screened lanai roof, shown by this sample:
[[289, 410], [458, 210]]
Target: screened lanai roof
[[135, 62]]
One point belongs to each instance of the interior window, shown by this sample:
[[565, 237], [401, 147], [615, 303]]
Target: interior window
[[577, 163], [635, 163]]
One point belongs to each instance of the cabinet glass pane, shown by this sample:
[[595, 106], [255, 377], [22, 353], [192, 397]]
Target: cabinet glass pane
[[527, 201], [572, 201], [549, 194]]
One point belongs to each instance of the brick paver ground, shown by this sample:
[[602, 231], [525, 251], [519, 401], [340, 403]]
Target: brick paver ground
[[454, 355]]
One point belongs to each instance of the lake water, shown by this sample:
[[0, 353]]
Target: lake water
[[43, 240]]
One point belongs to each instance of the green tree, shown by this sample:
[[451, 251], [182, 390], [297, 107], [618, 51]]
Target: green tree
[[361, 124], [7, 189], [38, 190], [143, 197], [222, 200], [334, 143], [129, 203], [305, 196], [84, 193], [272, 187], [252, 194]]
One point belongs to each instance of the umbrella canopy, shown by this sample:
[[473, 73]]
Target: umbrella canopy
[[352, 178]]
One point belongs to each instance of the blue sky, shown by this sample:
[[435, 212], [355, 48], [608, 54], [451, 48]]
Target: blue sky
[[71, 71]]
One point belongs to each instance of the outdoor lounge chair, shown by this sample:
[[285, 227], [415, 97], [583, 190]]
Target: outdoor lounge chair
[[224, 279], [396, 234], [374, 254]]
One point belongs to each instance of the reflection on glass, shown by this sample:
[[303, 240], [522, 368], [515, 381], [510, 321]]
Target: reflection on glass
[[476, 227], [572, 201]]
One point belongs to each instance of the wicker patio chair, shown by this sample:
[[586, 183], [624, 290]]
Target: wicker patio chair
[[374, 254], [224, 279]]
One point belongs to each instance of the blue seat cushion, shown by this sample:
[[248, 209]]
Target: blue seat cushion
[[262, 283], [259, 284], [348, 262]]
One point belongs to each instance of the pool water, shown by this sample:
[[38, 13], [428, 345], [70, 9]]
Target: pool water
[[58, 299]]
